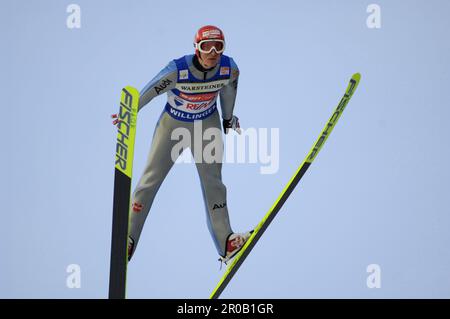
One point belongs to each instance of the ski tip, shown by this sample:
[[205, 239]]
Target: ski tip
[[131, 90], [356, 77]]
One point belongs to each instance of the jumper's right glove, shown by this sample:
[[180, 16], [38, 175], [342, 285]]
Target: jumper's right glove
[[232, 123]]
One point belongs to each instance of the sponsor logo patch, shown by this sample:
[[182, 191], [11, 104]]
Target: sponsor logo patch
[[217, 206], [197, 106], [211, 34], [178, 102], [224, 70], [184, 75], [163, 85], [210, 87], [198, 97]]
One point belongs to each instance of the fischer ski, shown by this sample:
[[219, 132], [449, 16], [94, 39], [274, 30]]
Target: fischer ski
[[126, 132], [262, 226]]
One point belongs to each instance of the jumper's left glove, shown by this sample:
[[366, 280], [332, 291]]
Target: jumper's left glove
[[232, 123]]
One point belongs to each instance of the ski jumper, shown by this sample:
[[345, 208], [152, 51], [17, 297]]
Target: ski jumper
[[191, 96]]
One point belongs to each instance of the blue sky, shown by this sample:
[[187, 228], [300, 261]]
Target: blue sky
[[376, 194]]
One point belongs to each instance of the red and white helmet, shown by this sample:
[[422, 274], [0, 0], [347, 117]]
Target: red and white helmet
[[209, 38]]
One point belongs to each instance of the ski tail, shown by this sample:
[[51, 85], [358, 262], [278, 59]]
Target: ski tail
[[122, 191], [262, 226]]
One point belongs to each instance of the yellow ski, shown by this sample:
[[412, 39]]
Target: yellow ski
[[262, 226], [126, 132]]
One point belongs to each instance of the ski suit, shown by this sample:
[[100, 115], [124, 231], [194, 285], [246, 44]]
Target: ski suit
[[191, 96]]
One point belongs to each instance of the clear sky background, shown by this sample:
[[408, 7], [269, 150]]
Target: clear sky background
[[378, 193]]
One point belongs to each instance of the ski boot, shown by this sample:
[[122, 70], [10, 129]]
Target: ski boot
[[235, 242]]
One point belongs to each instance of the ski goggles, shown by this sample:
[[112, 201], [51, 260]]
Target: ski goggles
[[206, 46]]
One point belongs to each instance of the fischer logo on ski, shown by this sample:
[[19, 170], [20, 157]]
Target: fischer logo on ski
[[126, 131]]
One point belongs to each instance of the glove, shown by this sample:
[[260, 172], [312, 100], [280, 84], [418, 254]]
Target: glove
[[232, 123]]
